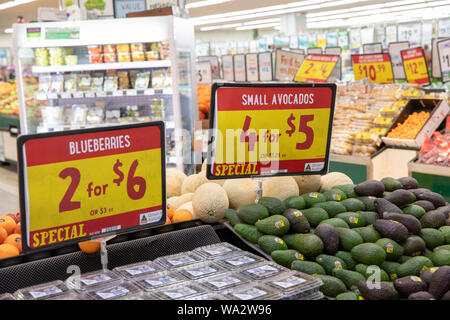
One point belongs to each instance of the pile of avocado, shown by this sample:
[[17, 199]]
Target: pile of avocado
[[378, 240]]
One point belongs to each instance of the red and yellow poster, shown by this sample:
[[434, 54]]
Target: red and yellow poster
[[316, 68], [271, 129], [415, 66], [375, 68], [86, 184]]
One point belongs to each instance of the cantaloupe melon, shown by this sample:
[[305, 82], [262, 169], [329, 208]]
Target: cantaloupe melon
[[334, 179], [308, 183], [280, 187], [187, 206], [187, 197], [173, 202], [210, 202], [174, 180], [240, 192], [192, 182]]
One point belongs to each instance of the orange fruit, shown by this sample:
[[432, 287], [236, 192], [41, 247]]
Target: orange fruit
[[89, 246], [8, 250], [18, 229], [16, 240], [168, 221], [3, 235], [8, 223], [170, 211], [182, 215]]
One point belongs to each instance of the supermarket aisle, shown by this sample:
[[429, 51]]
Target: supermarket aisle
[[9, 199]]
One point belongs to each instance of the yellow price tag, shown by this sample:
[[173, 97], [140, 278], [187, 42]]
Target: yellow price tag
[[92, 183], [316, 68], [270, 130], [415, 66], [375, 68]]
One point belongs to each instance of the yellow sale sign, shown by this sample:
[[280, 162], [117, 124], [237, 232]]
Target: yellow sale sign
[[91, 183], [375, 68], [270, 129], [316, 68], [415, 66]]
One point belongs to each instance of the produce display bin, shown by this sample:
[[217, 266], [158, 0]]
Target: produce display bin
[[436, 178], [438, 110], [359, 169]]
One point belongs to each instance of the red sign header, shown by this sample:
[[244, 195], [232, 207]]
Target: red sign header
[[371, 58]]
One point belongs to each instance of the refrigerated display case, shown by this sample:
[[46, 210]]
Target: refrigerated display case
[[106, 72]]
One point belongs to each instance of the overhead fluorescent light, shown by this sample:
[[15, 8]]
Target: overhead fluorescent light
[[205, 3], [271, 11], [11, 4], [9, 30], [258, 26], [234, 25]]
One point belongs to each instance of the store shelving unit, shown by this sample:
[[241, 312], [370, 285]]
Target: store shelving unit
[[178, 92]]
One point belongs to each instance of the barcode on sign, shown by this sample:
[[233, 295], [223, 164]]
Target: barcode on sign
[[111, 229]]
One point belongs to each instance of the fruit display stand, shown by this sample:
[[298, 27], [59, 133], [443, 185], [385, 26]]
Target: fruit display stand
[[357, 168], [432, 177]]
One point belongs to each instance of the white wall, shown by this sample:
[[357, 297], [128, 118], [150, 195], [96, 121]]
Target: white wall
[[5, 40]]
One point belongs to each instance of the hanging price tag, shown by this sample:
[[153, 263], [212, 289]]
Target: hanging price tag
[[316, 68], [444, 59], [88, 182], [270, 129], [375, 68], [415, 66]]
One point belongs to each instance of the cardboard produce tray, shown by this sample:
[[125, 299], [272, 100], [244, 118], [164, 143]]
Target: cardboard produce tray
[[438, 109]]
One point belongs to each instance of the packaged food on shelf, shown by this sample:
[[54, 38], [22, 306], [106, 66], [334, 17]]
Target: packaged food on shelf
[[67, 51], [57, 83], [109, 57], [56, 61], [115, 292], [95, 58], [168, 79], [123, 79], [112, 116], [52, 115], [71, 59], [179, 260], [158, 78], [180, 291], [84, 82], [42, 291], [133, 76], [158, 109], [41, 52], [93, 280], [78, 115], [215, 251], [96, 114], [158, 280], [436, 151], [97, 79], [123, 48], [109, 49], [70, 295], [70, 82], [95, 50], [45, 83], [140, 269], [55, 52], [142, 80], [110, 83], [42, 61], [137, 47], [253, 292], [152, 55], [138, 56], [124, 57]]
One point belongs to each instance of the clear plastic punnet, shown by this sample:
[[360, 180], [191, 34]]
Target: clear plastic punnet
[[263, 270], [215, 251], [201, 270], [181, 291], [42, 291], [209, 296], [159, 280], [70, 295], [239, 260], [115, 292], [294, 285], [7, 296], [139, 269], [253, 292], [90, 281], [179, 260], [223, 282]]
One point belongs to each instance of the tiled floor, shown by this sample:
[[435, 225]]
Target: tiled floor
[[9, 190]]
